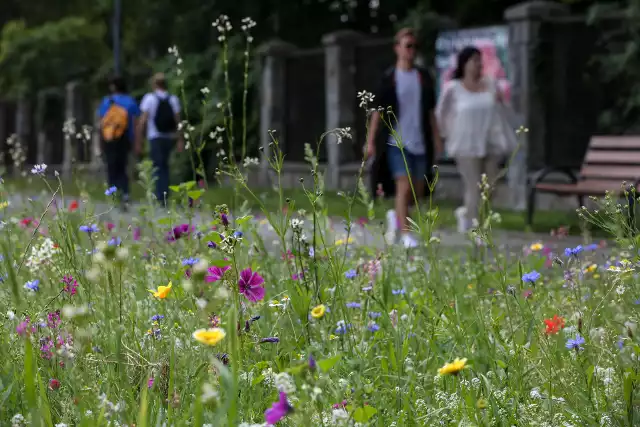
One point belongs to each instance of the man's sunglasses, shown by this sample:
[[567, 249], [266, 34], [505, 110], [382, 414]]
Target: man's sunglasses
[[410, 46]]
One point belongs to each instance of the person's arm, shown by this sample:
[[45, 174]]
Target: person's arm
[[176, 108], [374, 124], [433, 121], [141, 123]]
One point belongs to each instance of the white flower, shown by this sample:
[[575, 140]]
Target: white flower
[[208, 393], [285, 383], [365, 98], [201, 303], [11, 315]]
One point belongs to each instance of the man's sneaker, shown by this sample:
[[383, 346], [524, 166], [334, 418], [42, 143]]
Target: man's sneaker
[[124, 203], [408, 241], [461, 218]]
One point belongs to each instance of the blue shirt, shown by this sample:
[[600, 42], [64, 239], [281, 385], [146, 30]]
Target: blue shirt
[[125, 101]]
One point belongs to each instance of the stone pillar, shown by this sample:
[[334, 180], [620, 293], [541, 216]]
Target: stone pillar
[[4, 131], [524, 24], [42, 147], [23, 125], [272, 98], [341, 90]]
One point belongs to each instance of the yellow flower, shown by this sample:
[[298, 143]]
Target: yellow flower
[[209, 336], [333, 337], [318, 311], [453, 368], [341, 242], [536, 246], [481, 403], [3, 205], [591, 268], [162, 291]]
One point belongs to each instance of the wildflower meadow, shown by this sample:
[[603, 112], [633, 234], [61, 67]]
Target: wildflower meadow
[[186, 316]]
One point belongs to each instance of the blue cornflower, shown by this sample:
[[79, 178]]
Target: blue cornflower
[[312, 252], [573, 251], [39, 169], [531, 277], [620, 343], [591, 247], [342, 327], [157, 317], [1, 257], [190, 261], [637, 302], [373, 327], [576, 343], [32, 285], [367, 288], [398, 291], [354, 305], [111, 190], [350, 274], [114, 241], [374, 314], [93, 228], [212, 245], [238, 234]]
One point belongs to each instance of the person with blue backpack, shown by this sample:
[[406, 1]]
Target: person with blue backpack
[[161, 116], [118, 113]]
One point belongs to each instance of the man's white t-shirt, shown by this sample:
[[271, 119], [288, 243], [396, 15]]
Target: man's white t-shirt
[[409, 126], [149, 105]]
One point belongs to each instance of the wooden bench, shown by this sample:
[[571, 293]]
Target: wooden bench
[[610, 161]]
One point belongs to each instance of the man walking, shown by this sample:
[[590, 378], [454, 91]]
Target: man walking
[[118, 114], [161, 115], [409, 92]]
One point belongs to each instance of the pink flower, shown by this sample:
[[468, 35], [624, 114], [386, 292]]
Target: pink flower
[[278, 410], [150, 382], [54, 384], [215, 273], [110, 226], [250, 285], [136, 233]]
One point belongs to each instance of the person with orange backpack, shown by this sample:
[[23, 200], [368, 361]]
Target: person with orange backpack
[[118, 114]]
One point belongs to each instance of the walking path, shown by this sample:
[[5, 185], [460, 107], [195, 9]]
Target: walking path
[[361, 234]]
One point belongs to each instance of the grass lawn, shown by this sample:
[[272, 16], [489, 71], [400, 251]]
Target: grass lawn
[[337, 205]]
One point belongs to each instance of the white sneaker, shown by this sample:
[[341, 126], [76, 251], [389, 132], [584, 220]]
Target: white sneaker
[[408, 241], [392, 227], [461, 217]]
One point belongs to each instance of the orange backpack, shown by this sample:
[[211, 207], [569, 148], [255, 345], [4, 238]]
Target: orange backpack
[[115, 122]]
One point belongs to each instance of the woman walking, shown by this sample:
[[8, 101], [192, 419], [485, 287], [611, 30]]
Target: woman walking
[[470, 116]]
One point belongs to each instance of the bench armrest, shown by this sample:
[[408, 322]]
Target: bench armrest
[[540, 175]]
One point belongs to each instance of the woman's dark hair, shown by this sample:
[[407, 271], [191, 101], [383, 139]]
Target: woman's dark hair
[[463, 57]]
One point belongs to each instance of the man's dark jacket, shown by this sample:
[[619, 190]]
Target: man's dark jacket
[[387, 97]]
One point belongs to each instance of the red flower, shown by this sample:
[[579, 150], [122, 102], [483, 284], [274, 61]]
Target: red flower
[[73, 205], [54, 384], [554, 325]]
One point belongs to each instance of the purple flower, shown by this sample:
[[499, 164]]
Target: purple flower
[[278, 410], [575, 343], [70, 285], [238, 234], [93, 228], [374, 314], [150, 382], [270, 340], [215, 273], [23, 326], [137, 232], [250, 285], [531, 277], [224, 219], [179, 231], [354, 305], [373, 327], [157, 317], [312, 363], [591, 247], [398, 291], [114, 241], [342, 327], [351, 274], [53, 319], [212, 245]]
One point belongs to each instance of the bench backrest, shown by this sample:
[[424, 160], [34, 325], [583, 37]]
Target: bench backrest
[[612, 158]]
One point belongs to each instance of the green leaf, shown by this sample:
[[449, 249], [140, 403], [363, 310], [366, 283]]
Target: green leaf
[[174, 188], [213, 237], [195, 194], [364, 414], [189, 185], [220, 263], [164, 221], [257, 380], [327, 364], [243, 219]]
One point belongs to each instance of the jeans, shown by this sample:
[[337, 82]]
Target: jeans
[[161, 149], [116, 156], [416, 163]]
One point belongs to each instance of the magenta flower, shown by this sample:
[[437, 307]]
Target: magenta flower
[[278, 410], [215, 273], [137, 232], [70, 285], [250, 285], [150, 382], [179, 231]]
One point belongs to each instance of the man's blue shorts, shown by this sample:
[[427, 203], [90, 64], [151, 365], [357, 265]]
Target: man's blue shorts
[[416, 163]]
